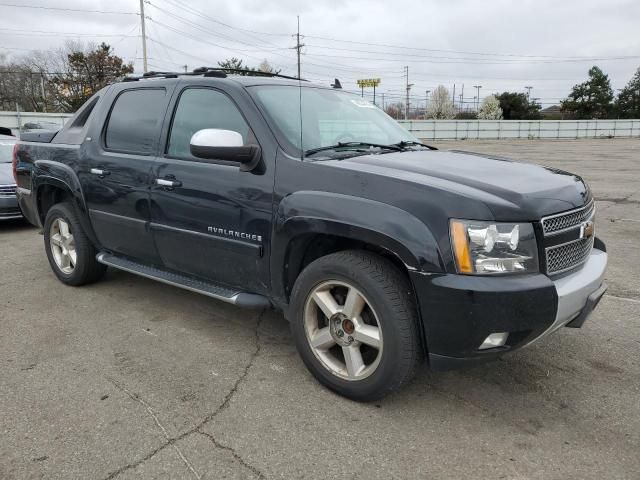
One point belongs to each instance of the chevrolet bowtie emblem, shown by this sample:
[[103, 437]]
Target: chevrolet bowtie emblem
[[586, 230]]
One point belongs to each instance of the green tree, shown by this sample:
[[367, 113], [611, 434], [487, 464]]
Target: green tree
[[628, 102], [516, 106], [84, 73], [591, 99], [234, 63]]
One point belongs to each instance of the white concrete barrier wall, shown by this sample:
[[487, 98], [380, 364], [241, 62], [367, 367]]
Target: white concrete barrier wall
[[514, 129], [10, 119], [444, 129]]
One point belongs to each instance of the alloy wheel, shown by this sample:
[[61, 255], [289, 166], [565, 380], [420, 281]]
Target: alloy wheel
[[63, 246], [343, 330]]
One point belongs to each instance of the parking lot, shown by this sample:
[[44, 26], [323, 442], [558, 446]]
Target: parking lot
[[129, 378]]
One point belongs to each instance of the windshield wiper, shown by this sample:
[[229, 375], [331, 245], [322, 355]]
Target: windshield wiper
[[312, 151], [411, 143]]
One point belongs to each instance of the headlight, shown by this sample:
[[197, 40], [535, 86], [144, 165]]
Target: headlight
[[483, 248]]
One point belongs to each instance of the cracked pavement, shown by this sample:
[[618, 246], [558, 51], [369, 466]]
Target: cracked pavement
[[129, 378]]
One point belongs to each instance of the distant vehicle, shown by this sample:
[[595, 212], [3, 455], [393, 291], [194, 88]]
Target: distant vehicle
[[261, 192], [8, 201], [44, 125]]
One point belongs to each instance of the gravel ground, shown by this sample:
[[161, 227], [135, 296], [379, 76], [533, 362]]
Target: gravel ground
[[129, 378]]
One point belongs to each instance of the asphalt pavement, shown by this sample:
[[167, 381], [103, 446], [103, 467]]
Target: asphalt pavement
[[129, 378]]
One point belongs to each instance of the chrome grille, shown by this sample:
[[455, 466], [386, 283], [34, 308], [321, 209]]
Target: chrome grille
[[7, 190], [566, 256], [563, 221], [570, 255]]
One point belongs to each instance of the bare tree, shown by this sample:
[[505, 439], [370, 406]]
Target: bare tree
[[440, 104], [395, 110], [59, 79], [266, 67]]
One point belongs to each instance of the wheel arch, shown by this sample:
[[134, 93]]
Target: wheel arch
[[55, 183], [313, 224]]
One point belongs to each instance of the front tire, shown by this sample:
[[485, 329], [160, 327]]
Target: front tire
[[355, 324], [70, 253]]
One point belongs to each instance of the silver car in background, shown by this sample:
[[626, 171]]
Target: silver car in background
[[8, 201]]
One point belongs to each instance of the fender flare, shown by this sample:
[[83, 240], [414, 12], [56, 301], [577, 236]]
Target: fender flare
[[59, 175], [370, 221]]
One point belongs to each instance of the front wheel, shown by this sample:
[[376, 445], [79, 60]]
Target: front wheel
[[354, 321]]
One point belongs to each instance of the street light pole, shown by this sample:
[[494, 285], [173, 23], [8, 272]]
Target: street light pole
[[478, 87], [528, 89]]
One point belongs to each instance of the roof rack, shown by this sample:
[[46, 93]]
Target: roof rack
[[219, 72]]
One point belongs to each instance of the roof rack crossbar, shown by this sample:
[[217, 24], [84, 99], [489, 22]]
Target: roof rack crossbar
[[208, 71], [250, 73]]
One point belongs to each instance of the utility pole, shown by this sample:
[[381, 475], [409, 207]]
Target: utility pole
[[383, 102], [409, 85], [144, 38], [453, 96], [462, 99], [185, 68], [299, 46], [528, 89], [477, 87], [42, 89], [426, 102]]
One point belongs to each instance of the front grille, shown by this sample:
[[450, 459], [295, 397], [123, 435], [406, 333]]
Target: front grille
[[570, 255], [561, 257], [7, 190], [564, 221]]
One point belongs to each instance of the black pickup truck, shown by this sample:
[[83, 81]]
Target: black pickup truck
[[271, 192]]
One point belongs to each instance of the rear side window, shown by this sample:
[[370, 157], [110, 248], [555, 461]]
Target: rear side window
[[200, 108], [135, 120]]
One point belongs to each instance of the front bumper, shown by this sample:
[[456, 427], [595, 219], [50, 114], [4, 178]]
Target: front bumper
[[9, 208], [459, 312]]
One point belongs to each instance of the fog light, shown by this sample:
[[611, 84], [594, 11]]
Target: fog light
[[494, 340]]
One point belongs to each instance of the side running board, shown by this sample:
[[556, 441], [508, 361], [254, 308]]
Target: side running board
[[225, 294]]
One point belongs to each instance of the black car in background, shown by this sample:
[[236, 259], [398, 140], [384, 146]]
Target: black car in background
[[9, 208]]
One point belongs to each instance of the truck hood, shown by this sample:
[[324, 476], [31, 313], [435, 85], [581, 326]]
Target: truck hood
[[6, 174], [512, 190]]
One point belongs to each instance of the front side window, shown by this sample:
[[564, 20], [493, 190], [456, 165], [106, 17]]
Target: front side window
[[200, 108], [135, 120]]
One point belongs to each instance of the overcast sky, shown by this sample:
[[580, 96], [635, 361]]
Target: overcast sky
[[499, 44]]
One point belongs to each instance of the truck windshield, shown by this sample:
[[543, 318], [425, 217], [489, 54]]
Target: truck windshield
[[313, 120]]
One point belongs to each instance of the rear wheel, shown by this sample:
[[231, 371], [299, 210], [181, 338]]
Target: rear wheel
[[71, 255], [355, 324]]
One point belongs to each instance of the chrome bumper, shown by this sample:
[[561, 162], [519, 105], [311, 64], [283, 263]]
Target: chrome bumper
[[579, 293]]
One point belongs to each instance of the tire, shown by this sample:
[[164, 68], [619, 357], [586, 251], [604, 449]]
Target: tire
[[389, 357], [85, 268]]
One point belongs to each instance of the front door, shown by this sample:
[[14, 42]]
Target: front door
[[116, 179], [209, 219]]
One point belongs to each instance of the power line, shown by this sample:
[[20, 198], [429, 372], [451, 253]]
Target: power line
[[197, 39], [205, 30], [67, 9], [406, 47], [471, 59], [476, 62], [47, 33], [203, 15]]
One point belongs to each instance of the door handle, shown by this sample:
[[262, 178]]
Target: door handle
[[101, 173], [169, 184]]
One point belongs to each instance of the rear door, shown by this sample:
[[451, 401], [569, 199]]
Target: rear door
[[117, 178], [214, 223]]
